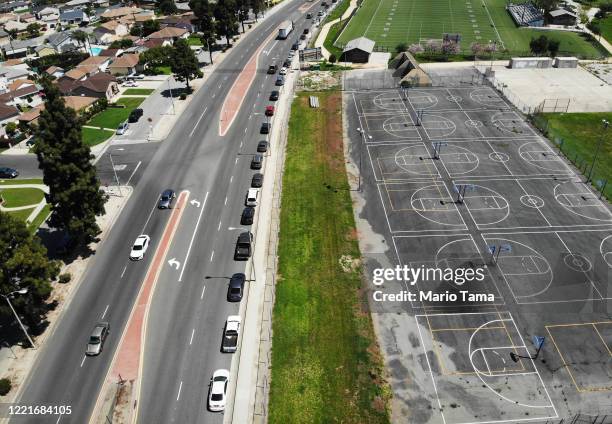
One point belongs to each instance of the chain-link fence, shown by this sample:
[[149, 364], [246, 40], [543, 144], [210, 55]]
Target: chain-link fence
[[583, 419]]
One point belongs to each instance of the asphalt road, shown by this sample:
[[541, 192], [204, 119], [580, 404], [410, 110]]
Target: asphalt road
[[27, 165], [186, 319]]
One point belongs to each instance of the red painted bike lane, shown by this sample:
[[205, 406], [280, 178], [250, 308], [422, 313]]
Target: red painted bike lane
[[127, 361], [235, 96]]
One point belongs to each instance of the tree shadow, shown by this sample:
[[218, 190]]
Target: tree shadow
[[59, 247]]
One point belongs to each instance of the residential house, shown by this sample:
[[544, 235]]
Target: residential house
[[155, 42], [22, 48], [115, 13], [27, 18], [55, 71], [48, 11], [110, 31], [124, 65], [100, 85], [74, 74], [79, 103], [31, 116], [14, 6], [6, 17], [77, 4], [9, 74], [94, 64], [4, 37], [15, 26], [22, 93], [62, 41], [8, 114], [562, 17], [51, 21], [110, 53], [169, 33], [184, 6], [74, 17], [181, 21], [44, 50]]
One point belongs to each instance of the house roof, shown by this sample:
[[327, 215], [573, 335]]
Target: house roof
[[120, 11], [20, 92], [168, 32], [53, 69], [79, 102], [562, 12], [12, 72], [44, 46], [70, 15], [155, 42], [32, 114], [109, 53], [93, 60], [12, 62], [58, 38], [77, 2], [360, 43], [75, 74], [49, 11], [15, 25], [7, 111], [23, 44], [125, 61], [18, 83], [110, 25]]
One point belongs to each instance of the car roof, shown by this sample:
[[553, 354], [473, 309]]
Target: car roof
[[141, 238], [221, 373], [167, 191]]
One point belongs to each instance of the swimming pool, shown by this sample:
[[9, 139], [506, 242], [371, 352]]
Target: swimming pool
[[95, 51]]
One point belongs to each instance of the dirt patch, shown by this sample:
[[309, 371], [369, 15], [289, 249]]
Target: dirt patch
[[349, 264], [318, 80], [333, 131]]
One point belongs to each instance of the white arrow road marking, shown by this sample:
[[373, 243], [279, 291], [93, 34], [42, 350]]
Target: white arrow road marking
[[105, 311], [83, 361], [203, 290], [195, 203], [179, 391], [196, 125], [212, 254], [195, 230], [173, 262], [192, 333]]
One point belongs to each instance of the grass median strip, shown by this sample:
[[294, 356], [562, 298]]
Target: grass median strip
[[325, 361]]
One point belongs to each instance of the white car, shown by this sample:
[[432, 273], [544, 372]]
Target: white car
[[122, 128], [283, 71], [140, 247], [130, 83], [217, 393]]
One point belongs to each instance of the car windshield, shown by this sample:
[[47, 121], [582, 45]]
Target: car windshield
[[235, 290], [138, 247], [94, 340], [216, 396], [165, 197]]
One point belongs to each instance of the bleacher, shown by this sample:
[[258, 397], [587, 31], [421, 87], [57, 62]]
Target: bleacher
[[525, 14]]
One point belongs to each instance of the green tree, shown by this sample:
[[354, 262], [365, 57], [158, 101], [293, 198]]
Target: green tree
[[10, 129], [242, 11], [33, 29], [156, 56], [203, 11], [257, 6], [226, 22], [539, 46], [401, 47], [82, 38], [149, 27], [553, 47], [167, 7], [124, 43], [24, 264], [547, 5], [184, 62], [75, 197], [136, 31]]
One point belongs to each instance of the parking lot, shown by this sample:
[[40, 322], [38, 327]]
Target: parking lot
[[456, 178]]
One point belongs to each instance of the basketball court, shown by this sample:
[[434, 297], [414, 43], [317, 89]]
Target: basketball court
[[456, 178]]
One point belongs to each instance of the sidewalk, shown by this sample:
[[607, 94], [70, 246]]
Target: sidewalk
[[325, 29]]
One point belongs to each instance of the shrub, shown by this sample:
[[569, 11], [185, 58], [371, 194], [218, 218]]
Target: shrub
[[5, 386], [183, 96], [332, 58], [10, 129], [65, 278]]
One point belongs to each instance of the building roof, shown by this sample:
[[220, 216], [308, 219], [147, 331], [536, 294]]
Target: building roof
[[58, 38], [109, 53], [73, 3], [360, 43], [53, 69], [15, 25], [23, 44], [49, 11], [79, 102], [155, 42], [12, 72], [168, 32], [120, 11], [124, 61], [562, 12], [20, 92], [110, 25], [7, 111], [70, 15], [18, 83], [93, 60], [12, 62], [44, 46], [75, 74], [32, 114]]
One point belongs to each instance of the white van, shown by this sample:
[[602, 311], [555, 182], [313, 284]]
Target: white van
[[252, 197]]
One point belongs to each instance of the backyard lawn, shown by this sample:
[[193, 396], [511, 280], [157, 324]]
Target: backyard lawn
[[17, 197], [325, 362], [113, 116], [93, 136]]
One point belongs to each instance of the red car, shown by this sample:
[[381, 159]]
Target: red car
[[269, 110]]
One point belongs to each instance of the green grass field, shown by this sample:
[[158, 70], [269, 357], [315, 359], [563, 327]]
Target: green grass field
[[606, 28], [391, 22], [580, 133], [16, 197], [138, 91], [325, 363], [112, 117], [93, 136]]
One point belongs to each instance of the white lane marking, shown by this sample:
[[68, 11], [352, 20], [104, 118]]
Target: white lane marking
[[250, 116], [236, 161], [133, 172], [195, 230], [219, 86], [219, 227], [197, 123], [59, 418], [245, 130], [191, 339], [202, 295], [83, 361], [271, 48], [105, 311], [214, 95], [232, 177], [225, 203], [212, 255], [123, 272], [179, 392], [149, 217]]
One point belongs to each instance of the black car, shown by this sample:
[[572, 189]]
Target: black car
[[243, 246], [272, 69], [8, 173], [306, 30], [303, 37], [257, 180], [247, 215], [280, 80], [236, 287], [262, 147], [135, 115], [287, 63], [296, 45], [257, 162], [166, 198], [309, 16], [265, 128], [274, 95]]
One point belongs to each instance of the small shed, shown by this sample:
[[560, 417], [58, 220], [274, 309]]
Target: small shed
[[562, 17], [358, 50]]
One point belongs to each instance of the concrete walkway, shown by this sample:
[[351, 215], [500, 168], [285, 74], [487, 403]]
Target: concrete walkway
[[325, 29]]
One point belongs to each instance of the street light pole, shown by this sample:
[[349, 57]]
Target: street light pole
[[209, 51], [601, 139], [6, 296], [110, 155]]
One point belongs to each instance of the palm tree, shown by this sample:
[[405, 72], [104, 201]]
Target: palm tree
[[12, 33], [82, 38]]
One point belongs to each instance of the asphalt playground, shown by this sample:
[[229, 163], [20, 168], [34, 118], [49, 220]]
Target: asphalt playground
[[456, 178]]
